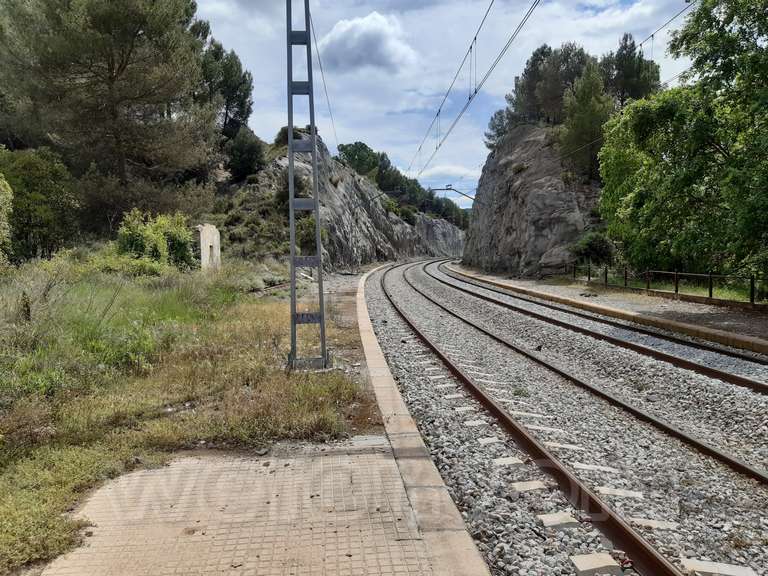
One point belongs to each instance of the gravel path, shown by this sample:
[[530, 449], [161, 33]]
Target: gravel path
[[731, 417], [721, 515], [740, 321]]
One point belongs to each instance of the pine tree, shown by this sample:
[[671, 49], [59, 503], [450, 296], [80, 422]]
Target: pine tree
[[587, 108]]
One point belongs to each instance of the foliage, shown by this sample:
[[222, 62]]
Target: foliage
[[408, 215], [359, 156], [246, 154], [587, 108], [627, 75], [100, 381], [112, 80], [403, 190], [6, 206], [44, 205], [686, 170], [594, 247], [162, 239], [540, 93], [305, 235], [225, 79]]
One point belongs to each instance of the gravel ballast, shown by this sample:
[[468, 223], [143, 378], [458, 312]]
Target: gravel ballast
[[721, 514]]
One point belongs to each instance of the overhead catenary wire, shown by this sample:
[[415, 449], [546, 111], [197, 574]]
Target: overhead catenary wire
[[467, 55], [668, 22], [483, 80], [322, 76]]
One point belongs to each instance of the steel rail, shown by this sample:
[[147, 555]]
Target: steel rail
[[699, 345], [645, 559], [704, 447], [703, 369]]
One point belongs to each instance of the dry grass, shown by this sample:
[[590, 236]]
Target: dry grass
[[205, 368]]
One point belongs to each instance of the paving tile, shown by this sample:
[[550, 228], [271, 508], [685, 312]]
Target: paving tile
[[222, 514]]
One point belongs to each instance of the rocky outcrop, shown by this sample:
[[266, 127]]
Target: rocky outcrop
[[527, 212], [357, 227]]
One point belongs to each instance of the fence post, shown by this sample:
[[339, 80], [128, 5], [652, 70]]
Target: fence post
[[574, 270], [589, 271], [647, 280], [605, 276], [711, 285], [752, 289], [677, 283], [625, 277]]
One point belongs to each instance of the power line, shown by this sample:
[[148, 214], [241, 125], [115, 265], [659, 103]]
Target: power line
[[668, 22], [325, 86], [487, 75], [467, 54]]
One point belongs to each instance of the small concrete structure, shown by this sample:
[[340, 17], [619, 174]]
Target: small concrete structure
[[598, 563], [210, 247]]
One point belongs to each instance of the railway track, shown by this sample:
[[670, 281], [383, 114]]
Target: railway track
[[545, 314], [643, 555]]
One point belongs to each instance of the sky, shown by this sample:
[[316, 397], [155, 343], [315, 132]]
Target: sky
[[388, 64]]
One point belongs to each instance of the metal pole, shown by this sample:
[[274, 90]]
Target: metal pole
[[316, 189], [605, 276], [589, 271], [711, 284], [677, 283], [625, 277], [574, 270], [291, 187], [752, 289], [648, 280]]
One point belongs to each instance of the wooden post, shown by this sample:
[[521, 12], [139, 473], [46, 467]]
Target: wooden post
[[574, 270], [625, 277], [677, 283], [711, 285], [605, 276], [752, 289], [647, 280], [589, 271]]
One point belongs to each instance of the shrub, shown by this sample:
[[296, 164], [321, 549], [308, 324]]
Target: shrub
[[246, 154], [595, 247], [408, 215], [163, 239], [6, 199]]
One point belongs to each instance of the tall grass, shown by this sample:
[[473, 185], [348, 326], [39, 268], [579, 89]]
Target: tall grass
[[101, 372]]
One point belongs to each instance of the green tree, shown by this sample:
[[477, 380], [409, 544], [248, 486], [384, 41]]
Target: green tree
[[246, 154], [225, 79], [559, 72], [111, 81], [523, 101], [498, 126], [686, 170], [594, 247], [359, 156], [587, 108], [44, 205], [627, 74], [6, 206]]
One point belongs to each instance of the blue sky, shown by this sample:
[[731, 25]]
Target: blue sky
[[389, 62]]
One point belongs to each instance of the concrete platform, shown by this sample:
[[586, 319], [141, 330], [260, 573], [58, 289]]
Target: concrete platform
[[371, 506]]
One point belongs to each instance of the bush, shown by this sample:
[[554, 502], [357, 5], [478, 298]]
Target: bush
[[408, 215], [246, 154], [6, 199], [163, 239], [594, 247]]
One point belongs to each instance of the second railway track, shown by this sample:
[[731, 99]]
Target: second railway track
[[666, 471]]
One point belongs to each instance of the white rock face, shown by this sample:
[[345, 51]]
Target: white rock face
[[359, 229], [526, 216]]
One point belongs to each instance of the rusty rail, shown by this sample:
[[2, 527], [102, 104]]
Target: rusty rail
[[603, 320], [702, 369], [646, 560]]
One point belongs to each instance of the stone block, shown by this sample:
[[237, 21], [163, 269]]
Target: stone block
[[596, 564], [210, 247]]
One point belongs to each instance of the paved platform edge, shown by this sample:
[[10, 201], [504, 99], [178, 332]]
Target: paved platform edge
[[720, 336], [451, 549]]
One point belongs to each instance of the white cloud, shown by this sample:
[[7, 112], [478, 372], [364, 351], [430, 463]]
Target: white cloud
[[388, 63], [375, 41]]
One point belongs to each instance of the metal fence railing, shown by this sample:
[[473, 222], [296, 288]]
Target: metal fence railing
[[734, 288]]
